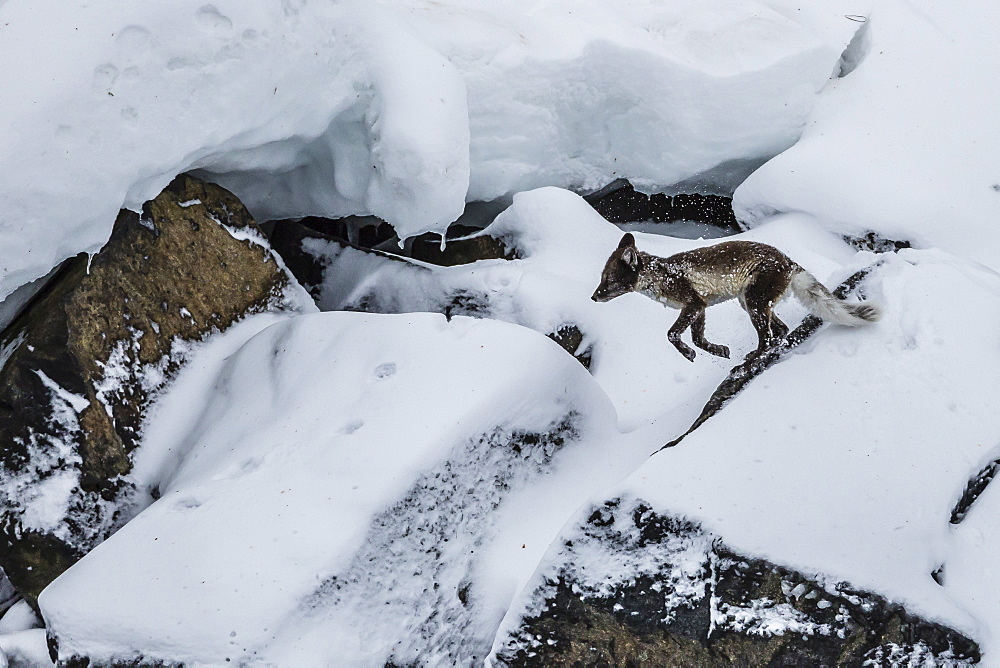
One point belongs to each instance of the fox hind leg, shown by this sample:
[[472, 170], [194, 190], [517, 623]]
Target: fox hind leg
[[779, 330], [758, 301]]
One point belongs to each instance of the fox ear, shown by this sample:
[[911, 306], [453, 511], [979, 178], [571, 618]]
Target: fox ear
[[631, 257], [627, 241]]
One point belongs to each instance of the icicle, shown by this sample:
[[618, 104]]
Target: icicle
[[90, 258], [444, 241]]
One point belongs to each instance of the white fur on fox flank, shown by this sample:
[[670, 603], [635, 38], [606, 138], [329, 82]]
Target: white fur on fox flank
[[756, 274]]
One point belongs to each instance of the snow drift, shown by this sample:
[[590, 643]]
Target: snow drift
[[333, 498], [403, 110], [905, 145]]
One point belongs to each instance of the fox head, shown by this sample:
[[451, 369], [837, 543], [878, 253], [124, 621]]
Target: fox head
[[621, 272]]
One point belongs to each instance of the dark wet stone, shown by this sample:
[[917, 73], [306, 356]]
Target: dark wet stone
[[876, 243], [459, 249], [570, 337], [695, 602]]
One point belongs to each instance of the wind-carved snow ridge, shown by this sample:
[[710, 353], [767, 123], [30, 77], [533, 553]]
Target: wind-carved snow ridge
[[857, 49], [401, 110], [411, 592]]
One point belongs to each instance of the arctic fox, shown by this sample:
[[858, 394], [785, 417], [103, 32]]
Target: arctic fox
[[757, 274]]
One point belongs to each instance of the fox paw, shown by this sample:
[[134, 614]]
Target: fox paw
[[718, 351], [688, 353]]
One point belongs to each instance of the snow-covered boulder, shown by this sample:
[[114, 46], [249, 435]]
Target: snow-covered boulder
[[844, 461], [905, 145], [81, 364], [337, 496], [403, 110], [631, 587]]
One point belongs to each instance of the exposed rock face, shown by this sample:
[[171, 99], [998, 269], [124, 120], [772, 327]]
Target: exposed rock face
[[82, 362], [634, 588], [571, 338], [620, 202], [461, 247]]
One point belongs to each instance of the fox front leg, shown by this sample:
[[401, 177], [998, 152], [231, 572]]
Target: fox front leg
[[698, 337], [687, 317]]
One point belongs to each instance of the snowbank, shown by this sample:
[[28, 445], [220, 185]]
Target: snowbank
[[333, 497], [403, 111], [349, 109], [906, 144]]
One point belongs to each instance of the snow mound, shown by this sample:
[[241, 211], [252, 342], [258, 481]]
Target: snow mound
[[905, 145], [403, 111], [334, 497]]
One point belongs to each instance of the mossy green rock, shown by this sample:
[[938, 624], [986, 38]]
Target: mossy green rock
[[81, 363]]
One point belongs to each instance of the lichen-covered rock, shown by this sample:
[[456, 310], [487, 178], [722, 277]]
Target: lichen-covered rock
[[81, 363], [634, 588]]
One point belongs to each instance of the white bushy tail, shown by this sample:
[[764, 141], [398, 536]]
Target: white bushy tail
[[822, 303]]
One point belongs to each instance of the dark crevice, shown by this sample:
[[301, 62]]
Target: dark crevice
[[973, 490], [619, 202], [858, 48]]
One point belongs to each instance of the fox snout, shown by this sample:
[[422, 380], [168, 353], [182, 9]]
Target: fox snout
[[600, 295]]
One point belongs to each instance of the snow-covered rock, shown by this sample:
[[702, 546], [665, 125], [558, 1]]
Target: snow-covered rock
[[905, 145], [631, 587], [337, 496], [81, 365], [403, 110], [844, 461]]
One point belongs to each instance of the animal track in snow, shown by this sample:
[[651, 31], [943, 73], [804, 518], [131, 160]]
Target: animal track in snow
[[211, 19], [105, 77], [386, 370]]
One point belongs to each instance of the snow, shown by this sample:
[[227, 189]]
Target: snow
[[906, 144], [319, 424], [404, 110], [344, 484]]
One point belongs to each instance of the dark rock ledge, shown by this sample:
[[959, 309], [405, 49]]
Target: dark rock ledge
[[635, 588]]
